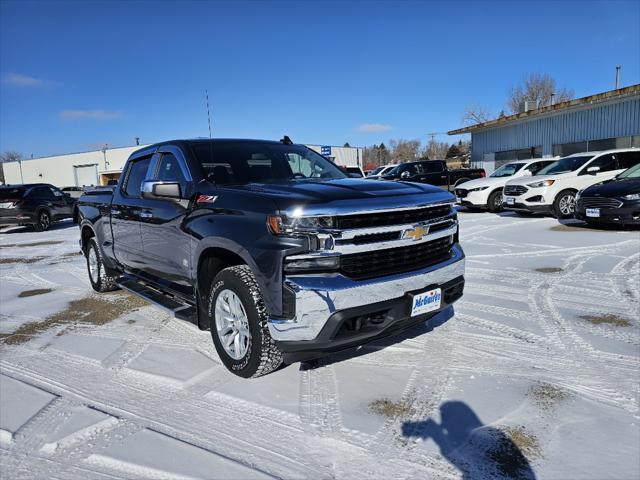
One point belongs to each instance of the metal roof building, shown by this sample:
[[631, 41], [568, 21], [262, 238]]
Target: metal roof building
[[597, 122]]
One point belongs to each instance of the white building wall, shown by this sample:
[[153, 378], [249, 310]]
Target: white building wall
[[59, 170]]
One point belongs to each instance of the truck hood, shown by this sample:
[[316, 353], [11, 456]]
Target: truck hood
[[613, 188], [332, 196]]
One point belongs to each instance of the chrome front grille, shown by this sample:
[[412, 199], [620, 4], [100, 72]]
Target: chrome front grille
[[515, 190], [597, 202], [387, 242]]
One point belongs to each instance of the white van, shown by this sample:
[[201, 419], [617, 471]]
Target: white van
[[554, 189]]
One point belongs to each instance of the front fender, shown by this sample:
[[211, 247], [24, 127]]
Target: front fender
[[245, 234]]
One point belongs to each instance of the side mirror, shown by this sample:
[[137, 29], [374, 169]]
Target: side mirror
[[405, 174], [161, 190], [593, 170]]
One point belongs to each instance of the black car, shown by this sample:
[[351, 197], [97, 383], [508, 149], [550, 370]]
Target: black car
[[616, 201], [36, 204], [433, 172]]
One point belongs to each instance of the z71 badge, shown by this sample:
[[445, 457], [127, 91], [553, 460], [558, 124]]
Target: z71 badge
[[207, 199]]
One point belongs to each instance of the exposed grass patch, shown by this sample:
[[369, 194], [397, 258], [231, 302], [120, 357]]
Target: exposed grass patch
[[34, 292], [568, 228], [8, 260], [390, 409], [34, 244], [546, 396], [606, 319], [513, 449], [549, 270], [92, 310]]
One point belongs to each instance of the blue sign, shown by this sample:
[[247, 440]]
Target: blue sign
[[326, 151]]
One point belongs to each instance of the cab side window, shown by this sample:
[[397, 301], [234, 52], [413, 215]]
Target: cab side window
[[135, 176], [628, 159], [169, 171], [432, 167]]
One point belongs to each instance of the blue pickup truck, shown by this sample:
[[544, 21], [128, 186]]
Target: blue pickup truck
[[272, 247]]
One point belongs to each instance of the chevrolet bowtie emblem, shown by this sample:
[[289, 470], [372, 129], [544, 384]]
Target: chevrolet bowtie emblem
[[416, 233]]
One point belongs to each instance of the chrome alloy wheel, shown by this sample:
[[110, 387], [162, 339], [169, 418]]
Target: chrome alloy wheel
[[497, 201], [567, 204], [94, 268], [232, 324]]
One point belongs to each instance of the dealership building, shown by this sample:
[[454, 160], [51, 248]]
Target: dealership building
[[597, 122], [99, 166]]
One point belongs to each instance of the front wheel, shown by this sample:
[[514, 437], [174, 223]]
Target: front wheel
[[238, 319], [564, 205], [494, 203], [102, 278]]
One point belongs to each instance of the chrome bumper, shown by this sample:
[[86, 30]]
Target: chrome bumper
[[320, 296]]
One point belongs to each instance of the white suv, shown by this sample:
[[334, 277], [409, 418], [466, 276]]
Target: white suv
[[554, 189], [486, 193]]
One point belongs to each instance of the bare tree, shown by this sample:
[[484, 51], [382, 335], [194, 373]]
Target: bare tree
[[538, 88], [10, 156], [475, 114], [404, 150], [435, 150]]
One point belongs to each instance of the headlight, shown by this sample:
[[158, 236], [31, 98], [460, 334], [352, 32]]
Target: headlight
[[543, 183], [282, 225], [632, 196], [478, 189]]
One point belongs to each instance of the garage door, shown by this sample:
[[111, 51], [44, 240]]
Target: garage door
[[86, 175]]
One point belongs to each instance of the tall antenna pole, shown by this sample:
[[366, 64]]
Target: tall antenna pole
[[206, 93]]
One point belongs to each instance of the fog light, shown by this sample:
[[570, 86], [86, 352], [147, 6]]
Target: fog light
[[312, 264]]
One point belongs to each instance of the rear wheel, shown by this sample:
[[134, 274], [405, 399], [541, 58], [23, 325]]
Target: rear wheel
[[494, 203], [43, 221], [564, 205], [102, 278], [238, 319]]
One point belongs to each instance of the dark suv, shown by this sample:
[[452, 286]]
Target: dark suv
[[36, 204]]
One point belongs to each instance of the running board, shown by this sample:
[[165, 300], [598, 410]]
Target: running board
[[179, 309]]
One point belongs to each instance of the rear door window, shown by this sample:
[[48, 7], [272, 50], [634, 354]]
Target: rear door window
[[136, 175], [432, 167], [606, 163], [628, 159]]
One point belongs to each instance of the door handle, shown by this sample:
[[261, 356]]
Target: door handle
[[146, 215]]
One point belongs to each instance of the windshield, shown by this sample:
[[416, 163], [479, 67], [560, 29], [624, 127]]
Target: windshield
[[395, 170], [507, 170], [239, 163], [11, 193], [565, 165], [633, 172], [375, 171]]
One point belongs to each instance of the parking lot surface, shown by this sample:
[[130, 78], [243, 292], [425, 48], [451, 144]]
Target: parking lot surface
[[535, 374]]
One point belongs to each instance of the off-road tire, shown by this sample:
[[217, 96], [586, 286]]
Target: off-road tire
[[106, 277], [557, 211], [43, 221], [491, 202], [263, 355]]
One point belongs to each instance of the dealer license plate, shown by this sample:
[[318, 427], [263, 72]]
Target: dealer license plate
[[426, 302], [510, 200], [593, 212]]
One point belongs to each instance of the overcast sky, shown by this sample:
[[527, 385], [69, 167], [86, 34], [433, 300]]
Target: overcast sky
[[76, 75]]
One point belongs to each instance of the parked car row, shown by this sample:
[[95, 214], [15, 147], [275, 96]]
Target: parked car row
[[606, 183]]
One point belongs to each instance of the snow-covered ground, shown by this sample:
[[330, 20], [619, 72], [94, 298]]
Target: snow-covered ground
[[536, 374]]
